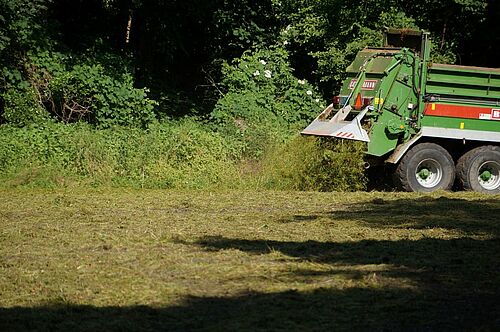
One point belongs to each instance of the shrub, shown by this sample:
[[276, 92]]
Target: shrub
[[85, 89], [21, 107], [262, 92]]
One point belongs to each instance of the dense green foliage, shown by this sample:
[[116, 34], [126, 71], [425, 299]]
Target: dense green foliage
[[250, 73], [88, 89], [104, 50], [312, 164], [263, 101], [170, 155], [176, 154]]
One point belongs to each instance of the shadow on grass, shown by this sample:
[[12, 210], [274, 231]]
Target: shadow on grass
[[320, 310], [461, 260], [437, 267], [458, 288], [469, 217]]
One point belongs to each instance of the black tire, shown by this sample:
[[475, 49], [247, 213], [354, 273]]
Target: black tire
[[478, 170], [426, 167]]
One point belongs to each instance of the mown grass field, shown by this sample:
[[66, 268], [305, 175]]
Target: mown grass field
[[149, 260]]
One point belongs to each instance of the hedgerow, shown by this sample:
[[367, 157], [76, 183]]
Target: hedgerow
[[182, 154]]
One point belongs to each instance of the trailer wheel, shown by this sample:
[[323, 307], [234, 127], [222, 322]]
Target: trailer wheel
[[425, 168], [479, 169]]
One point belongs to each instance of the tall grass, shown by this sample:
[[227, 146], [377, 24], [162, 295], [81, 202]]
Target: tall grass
[[169, 155], [312, 164], [178, 154]]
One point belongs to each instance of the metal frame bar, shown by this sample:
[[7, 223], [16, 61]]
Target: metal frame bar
[[460, 134], [463, 134]]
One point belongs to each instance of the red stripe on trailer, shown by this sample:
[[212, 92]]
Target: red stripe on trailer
[[345, 135], [459, 111]]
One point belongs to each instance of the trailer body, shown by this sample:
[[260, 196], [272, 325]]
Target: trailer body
[[434, 122]]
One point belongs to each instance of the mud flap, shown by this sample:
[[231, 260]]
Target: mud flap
[[337, 127]]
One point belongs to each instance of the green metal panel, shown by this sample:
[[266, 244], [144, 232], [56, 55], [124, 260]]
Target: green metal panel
[[395, 94], [458, 123], [376, 61], [377, 66], [388, 122], [462, 81]]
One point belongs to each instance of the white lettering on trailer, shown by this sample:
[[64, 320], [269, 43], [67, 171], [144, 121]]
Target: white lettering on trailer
[[367, 84]]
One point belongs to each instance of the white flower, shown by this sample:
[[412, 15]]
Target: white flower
[[316, 100], [286, 42], [309, 92], [267, 73], [263, 62], [286, 30], [301, 82], [257, 73]]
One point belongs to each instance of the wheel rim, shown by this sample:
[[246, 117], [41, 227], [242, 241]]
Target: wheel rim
[[489, 175], [429, 173]]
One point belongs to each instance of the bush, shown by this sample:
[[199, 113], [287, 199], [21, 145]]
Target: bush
[[262, 92], [76, 90], [21, 107], [19, 22]]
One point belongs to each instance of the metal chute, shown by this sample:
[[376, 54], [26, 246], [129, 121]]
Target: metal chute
[[337, 126]]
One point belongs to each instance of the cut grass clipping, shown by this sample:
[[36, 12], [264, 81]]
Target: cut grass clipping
[[315, 164], [151, 260]]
